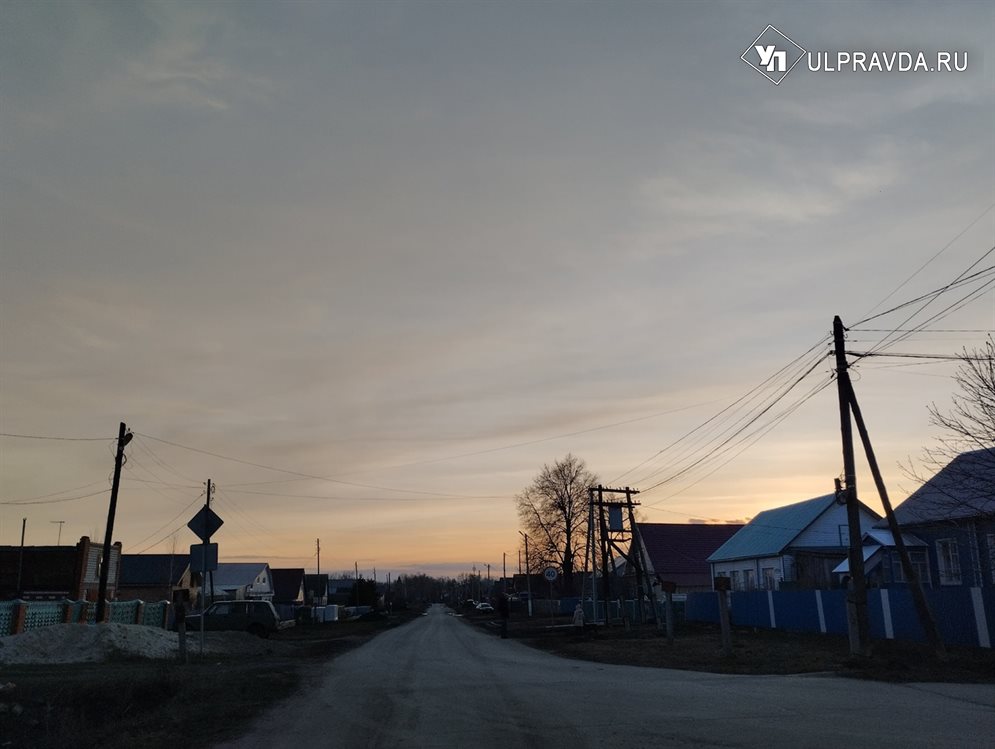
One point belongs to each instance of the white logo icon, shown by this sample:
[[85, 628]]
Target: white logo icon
[[775, 62], [773, 54]]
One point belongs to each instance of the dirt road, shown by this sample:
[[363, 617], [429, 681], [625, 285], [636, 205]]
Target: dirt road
[[439, 683]]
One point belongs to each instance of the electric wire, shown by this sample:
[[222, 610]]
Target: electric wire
[[309, 475]]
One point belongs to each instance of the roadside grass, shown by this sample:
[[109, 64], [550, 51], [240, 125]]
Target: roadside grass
[[697, 647], [128, 702]]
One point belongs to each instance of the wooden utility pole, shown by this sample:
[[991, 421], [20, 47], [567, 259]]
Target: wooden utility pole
[[60, 523], [857, 618], [317, 543], [123, 438], [915, 584], [20, 557], [528, 572]]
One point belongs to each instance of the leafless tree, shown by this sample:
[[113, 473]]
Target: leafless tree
[[968, 431], [553, 511], [970, 423]]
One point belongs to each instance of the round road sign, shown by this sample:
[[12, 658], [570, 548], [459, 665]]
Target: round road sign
[[550, 574]]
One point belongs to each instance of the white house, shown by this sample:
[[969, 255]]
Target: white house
[[232, 581], [795, 546]]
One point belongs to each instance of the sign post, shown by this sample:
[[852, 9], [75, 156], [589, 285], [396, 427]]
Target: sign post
[[205, 555], [551, 574]]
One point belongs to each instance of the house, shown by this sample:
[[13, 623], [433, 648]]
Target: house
[[232, 581], [151, 577], [678, 552], [339, 590], [954, 514], [288, 586], [792, 547], [882, 564], [316, 590], [47, 573]]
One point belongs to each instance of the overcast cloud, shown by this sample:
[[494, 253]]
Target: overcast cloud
[[357, 240]]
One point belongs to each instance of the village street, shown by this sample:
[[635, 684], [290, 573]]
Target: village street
[[437, 682]]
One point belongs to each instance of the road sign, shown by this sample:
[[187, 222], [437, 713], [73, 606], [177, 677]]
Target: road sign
[[203, 557], [205, 523], [550, 574]]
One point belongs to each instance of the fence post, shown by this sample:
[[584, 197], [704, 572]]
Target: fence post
[[20, 615], [139, 612]]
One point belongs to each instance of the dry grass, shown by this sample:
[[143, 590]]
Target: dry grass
[[130, 702], [698, 648]]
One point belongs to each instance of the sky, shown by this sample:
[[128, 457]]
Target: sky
[[370, 266]]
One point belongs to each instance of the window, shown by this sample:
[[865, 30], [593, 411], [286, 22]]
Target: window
[[769, 582], [749, 580], [919, 563], [734, 577], [991, 555], [948, 561]]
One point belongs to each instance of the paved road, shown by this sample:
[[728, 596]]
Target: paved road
[[437, 682]]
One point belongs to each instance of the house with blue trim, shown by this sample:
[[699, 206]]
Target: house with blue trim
[[795, 547], [954, 514]]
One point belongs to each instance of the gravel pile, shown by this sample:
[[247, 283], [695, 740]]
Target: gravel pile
[[81, 643]]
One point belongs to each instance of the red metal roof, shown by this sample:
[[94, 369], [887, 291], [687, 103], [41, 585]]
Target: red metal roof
[[679, 551]]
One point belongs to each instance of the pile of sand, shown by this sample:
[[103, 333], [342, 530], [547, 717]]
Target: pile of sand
[[82, 643]]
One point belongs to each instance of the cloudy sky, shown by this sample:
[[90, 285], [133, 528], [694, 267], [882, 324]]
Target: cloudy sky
[[400, 255]]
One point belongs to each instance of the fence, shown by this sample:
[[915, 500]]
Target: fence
[[965, 616], [20, 616]]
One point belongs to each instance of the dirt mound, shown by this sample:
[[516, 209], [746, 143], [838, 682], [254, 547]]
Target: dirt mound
[[80, 643]]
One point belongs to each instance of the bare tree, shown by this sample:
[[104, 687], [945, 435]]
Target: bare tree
[[553, 511], [970, 423], [966, 447]]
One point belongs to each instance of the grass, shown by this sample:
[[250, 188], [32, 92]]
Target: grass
[[697, 647], [130, 702]]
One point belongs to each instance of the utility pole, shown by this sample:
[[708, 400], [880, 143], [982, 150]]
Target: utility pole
[[20, 557], [504, 570], [528, 573], [857, 618], [317, 542], [210, 491], [60, 523], [911, 577], [123, 438]]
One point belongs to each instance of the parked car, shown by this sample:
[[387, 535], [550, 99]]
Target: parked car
[[484, 607], [256, 617]]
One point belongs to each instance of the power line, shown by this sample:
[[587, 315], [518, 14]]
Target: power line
[[745, 398], [54, 501], [943, 249], [53, 437], [309, 475]]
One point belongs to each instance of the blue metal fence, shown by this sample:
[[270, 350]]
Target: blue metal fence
[[965, 616]]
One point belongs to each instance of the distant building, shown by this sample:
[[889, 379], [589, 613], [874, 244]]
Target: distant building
[[50, 573], [233, 581], [151, 577], [678, 552], [288, 585]]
